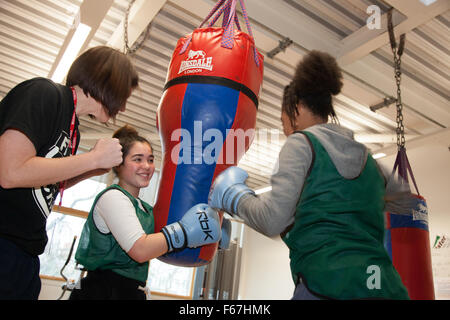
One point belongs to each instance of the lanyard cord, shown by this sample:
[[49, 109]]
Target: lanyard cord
[[72, 141]]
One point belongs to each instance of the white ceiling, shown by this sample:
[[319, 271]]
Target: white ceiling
[[33, 34]]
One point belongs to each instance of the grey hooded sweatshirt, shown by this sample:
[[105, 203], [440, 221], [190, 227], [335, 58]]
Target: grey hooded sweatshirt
[[272, 212]]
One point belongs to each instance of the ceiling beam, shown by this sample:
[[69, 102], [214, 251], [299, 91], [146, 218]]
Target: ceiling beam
[[380, 138], [141, 14], [92, 13], [440, 137], [364, 41]]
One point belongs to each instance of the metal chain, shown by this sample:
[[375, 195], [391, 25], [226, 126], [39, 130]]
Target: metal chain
[[400, 127], [125, 27], [137, 45], [398, 74]]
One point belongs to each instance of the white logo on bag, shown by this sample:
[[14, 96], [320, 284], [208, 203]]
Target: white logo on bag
[[420, 213], [196, 54], [196, 60]]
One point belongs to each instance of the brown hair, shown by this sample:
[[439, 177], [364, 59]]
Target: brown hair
[[127, 136], [107, 75], [317, 77]]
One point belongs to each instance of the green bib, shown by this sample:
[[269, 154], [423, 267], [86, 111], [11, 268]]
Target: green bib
[[101, 251], [336, 242]]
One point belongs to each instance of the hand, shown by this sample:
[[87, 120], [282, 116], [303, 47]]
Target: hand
[[108, 153], [199, 226], [226, 234], [227, 190]]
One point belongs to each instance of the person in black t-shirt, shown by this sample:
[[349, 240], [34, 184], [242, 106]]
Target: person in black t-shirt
[[38, 133]]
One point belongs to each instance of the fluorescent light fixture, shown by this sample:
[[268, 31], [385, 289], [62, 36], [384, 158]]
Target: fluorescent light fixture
[[72, 50], [262, 190], [379, 155], [427, 2]]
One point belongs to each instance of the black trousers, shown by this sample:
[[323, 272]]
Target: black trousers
[[108, 285], [19, 273]]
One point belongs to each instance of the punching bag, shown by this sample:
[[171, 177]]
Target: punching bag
[[407, 239], [206, 118]]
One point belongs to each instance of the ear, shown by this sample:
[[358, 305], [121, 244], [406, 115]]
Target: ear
[[300, 108]]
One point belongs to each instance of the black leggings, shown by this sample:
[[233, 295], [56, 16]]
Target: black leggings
[[108, 285]]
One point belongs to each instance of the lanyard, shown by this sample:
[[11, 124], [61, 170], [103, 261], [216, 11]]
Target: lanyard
[[73, 132], [72, 140]]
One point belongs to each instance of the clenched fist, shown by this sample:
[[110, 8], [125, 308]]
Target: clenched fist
[[108, 153]]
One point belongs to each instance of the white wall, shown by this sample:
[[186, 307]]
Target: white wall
[[52, 290], [431, 167], [265, 262], [265, 272]]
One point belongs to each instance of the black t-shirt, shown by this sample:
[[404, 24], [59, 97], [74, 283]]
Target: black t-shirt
[[42, 110]]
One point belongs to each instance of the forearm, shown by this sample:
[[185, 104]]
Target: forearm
[[93, 173], [21, 168], [267, 216], [39, 171], [148, 247], [272, 212]]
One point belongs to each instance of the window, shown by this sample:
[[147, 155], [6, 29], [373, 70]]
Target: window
[[171, 280], [61, 230]]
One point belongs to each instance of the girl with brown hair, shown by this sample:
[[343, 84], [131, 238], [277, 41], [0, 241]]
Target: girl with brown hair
[[118, 238]]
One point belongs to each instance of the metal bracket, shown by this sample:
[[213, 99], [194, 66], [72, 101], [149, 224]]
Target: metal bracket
[[386, 103], [282, 45]]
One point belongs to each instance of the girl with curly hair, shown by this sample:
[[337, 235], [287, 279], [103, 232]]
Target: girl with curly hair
[[327, 196]]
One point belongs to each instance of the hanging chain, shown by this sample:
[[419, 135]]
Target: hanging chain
[[125, 27], [398, 75], [139, 44]]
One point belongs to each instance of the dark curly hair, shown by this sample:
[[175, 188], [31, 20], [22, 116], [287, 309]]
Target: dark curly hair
[[317, 78]]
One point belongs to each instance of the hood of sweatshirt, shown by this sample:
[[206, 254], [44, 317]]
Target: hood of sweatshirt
[[348, 155]]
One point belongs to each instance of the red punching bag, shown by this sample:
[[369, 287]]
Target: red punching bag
[[209, 103], [407, 239]]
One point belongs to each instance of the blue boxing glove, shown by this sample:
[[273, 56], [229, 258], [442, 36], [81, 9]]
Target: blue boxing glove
[[228, 188], [199, 226], [226, 234]]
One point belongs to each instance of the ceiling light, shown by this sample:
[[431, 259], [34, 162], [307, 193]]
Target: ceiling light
[[379, 155], [427, 2], [262, 190], [71, 52]]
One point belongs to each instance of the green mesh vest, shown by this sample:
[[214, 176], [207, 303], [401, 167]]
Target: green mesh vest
[[336, 242], [101, 251]]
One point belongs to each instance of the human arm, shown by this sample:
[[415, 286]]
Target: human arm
[[199, 226], [115, 213], [397, 198], [272, 212], [21, 168], [87, 175]]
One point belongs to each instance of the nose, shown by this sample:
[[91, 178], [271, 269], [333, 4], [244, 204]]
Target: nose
[[147, 165]]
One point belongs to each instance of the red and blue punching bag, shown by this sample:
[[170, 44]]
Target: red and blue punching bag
[[407, 239], [211, 92]]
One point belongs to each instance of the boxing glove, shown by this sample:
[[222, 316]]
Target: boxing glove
[[224, 242], [200, 225], [228, 188]]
